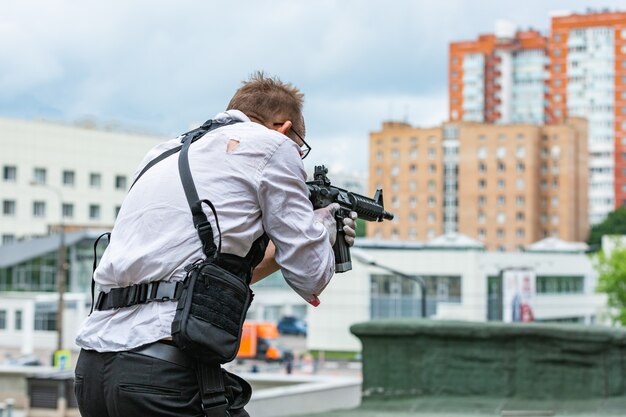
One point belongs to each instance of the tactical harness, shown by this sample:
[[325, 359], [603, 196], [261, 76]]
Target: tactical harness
[[214, 297]]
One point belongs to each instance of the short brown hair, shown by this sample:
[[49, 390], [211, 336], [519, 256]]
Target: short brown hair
[[270, 100]]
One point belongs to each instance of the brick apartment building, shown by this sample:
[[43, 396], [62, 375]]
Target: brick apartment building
[[505, 185], [577, 70]]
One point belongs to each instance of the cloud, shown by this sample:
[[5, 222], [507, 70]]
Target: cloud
[[161, 66]]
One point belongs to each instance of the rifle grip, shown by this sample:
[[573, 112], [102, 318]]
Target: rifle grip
[[343, 261]]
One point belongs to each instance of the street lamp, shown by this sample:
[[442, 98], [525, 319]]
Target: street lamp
[[61, 267], [363, 257]]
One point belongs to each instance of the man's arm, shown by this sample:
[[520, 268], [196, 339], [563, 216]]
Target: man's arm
[[267, 266]]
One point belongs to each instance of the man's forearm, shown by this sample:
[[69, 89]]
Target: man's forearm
[[267, 266]]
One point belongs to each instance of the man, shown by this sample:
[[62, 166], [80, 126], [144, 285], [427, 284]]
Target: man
[[252, 172]]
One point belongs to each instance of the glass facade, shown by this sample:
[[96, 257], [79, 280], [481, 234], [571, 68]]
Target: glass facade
[[473, 87], [39, 274], [393, 296], [528, 87]]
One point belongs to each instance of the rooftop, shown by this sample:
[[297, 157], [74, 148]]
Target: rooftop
[[481, 406]]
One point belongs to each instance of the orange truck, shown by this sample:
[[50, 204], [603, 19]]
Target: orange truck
[[259, 341]]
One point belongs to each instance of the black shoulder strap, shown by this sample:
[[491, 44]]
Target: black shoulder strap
[[195, 134], [200, 221], [95, 264]]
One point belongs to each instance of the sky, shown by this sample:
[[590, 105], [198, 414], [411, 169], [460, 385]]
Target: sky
[[163, 66]]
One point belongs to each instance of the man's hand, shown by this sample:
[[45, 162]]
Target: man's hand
[[349, 228], [326, 217]]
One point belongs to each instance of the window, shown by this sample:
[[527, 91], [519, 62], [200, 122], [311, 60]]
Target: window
[[413, 185], [412, 217], [413, 168], [395, 186], [501, 152], [68, 177], [9, 173], [555, 219], [520, 167], [18, 320], [481, 233], [501, 217], [501, 167], [432, 168], [501, 200], [395, 170], [67, 210], [560, 284], [432, 153], [432, 185], [519, 184], [520, 152], [379, 171], [412, 202], [120, 182], [431, 201], [94, 211], [379, 156], [520, 200], [8, 238], [500, 233], [501, 136], [555, 201], [520, 215], [39, 209], [395, 154], [482, 168], [45, 320], [481, 217], [3, 319], [481, 200], [413, 153], [431, 218], [501, 184], [519, 233], [482, 184], [8, 207], [95, 180], [39, 175], [482, 152]]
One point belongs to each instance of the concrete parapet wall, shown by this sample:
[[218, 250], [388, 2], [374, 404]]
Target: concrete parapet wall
[[428, 357]]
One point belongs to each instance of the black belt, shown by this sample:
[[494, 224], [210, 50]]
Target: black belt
[[139, 294], [165, 352]]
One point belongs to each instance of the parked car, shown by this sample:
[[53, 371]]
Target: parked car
[[292, 325]]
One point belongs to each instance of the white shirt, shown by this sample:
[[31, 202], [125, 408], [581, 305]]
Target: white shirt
[[258, 186]]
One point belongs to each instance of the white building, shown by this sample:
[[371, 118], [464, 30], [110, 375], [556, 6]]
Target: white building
[[29, 303], [55, 174], [463, 283]]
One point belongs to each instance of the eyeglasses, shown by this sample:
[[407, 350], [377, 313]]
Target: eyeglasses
[[305, 148]]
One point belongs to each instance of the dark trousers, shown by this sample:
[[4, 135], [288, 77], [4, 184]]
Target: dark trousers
[[128, 384]]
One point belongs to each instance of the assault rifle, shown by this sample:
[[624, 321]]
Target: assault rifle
[[322, 194]]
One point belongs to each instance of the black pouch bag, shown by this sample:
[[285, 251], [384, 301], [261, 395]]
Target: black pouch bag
[[210, 314]]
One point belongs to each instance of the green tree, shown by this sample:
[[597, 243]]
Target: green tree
[[614, 224], [612, 281]]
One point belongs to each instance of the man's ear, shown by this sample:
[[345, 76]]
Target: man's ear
[[285, 127]]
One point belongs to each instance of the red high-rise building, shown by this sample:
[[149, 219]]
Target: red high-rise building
[[578, 70]]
